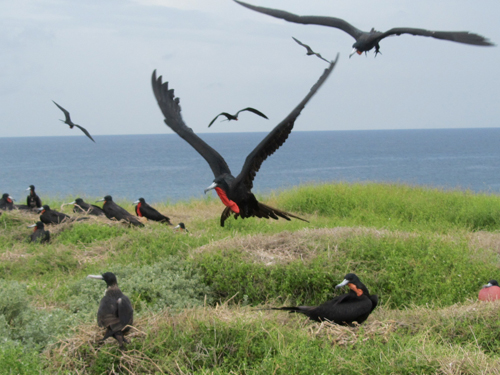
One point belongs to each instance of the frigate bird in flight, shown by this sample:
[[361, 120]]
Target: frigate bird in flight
[[71, 124]]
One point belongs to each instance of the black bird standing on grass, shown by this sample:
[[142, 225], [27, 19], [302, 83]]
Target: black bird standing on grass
[[234, 192], [6, 202], [49, 216], [345, 309], [234, 117], [33, 201], [79, 206], [113, 211], [71, 124], [365, 41], [144, 209], [39, 234], [310, 51], [115, 310]]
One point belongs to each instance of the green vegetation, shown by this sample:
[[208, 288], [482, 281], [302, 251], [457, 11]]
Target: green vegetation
[[425, 252]]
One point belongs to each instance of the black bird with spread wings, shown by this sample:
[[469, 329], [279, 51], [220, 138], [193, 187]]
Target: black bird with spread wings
[[230, 117], [310, 51], [365, 41], [71, 124], [234, 192]]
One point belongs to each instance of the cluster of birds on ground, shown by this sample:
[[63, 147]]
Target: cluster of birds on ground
[[115, 312]]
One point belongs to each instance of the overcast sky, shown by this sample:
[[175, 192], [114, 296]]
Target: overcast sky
[[95, 58]]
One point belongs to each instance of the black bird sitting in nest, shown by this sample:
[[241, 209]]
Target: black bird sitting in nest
[[33, 201], [39, 233], [80, 206], [49, 216], [7, 202], [115, 310], [145, 210], [113, 211]]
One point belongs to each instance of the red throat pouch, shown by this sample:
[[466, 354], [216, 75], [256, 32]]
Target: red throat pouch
[[227, 202], [359, 292], [9, 200], [138, 209]]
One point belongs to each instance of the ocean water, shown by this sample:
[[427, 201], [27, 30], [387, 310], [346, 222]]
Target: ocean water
[[165, 168]]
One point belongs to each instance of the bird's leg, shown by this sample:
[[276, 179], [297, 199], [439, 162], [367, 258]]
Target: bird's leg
[[377, 50]]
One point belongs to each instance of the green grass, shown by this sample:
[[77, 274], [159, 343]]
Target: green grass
[[424, 252]]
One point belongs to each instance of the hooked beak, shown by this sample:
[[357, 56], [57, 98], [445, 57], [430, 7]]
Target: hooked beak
[[40, 209], [136, 202], [343, 283], [487, 285], [32, 226], [70, 202], [13, 200], [101, 200], [98, 277], [354, 50], [28, 189], [213, 186], [177, 227]]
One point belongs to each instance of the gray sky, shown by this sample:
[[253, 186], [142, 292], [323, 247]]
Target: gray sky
[[95, 58]]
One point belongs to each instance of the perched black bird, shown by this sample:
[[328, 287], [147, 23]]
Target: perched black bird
[[33, 201], [181, 227], [144, 209], [79, 206], [345, 309], [71, 124], [115, 310], [230, 117], [7, 202], [235, 193], [310, 51], [365, 41], [113, 211], [39, 234], [49, 216]]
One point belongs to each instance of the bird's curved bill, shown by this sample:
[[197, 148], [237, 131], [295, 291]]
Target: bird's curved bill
[[101, 200], [487, 285], [354, 50], [98, 277], [177, 227], [32, 226], [213, 186], [40, 209], [69, 203], [136, 202], [28, 189], [12, 198], [343, 283]]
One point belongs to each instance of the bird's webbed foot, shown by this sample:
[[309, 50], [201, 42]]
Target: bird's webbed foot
[[377, 50]]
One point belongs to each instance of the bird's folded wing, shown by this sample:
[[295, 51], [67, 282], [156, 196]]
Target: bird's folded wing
[[171, 109], [338, 23], [277, 136], [125, 311], [454, 36]]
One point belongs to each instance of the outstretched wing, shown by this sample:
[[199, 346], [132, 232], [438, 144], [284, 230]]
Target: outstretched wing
[[454, 36], [277, 136], [66, 113], [338, 23], [171, 109], [253, 110], [309, 49], [85, 131], [220, 114]]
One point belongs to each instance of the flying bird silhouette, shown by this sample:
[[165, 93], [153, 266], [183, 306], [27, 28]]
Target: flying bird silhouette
[[230, 117], [310, 51], [234, 192], [365, 41], [71, 124]]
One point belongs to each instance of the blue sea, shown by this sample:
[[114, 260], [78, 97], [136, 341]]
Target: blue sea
[[165, 168]]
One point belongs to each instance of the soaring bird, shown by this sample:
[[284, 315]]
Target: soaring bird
[[79, 206], [71, 124], [144, 209], [365, 41], [230, 117], [345, 309], [113, 211], [234, 192], [115, 310], [6, 202], [309, 50], [490, 291], [39, 233], [33, 201], [49, 216]]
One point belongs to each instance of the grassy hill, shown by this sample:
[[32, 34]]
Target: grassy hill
[[425, 252]]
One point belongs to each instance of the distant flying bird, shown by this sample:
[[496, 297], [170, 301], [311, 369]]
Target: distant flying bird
[[115, 313], [365, 41], [234, 192], [113, 211], [310, 51], [345, 309], [80, 206], [71, 124], [230, 117], [7, 202], [144, 209], [39, 234], [33, 201]]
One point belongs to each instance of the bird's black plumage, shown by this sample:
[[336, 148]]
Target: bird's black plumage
[[144, 209], [234, 117], [49, 216], [113, 211], [71, 124], [345, 309], [115, 313], [80, 206], [365, 41], [33, 200], [181, 227], [6, 202], [309, 50], [39, 234], [235, 192]]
